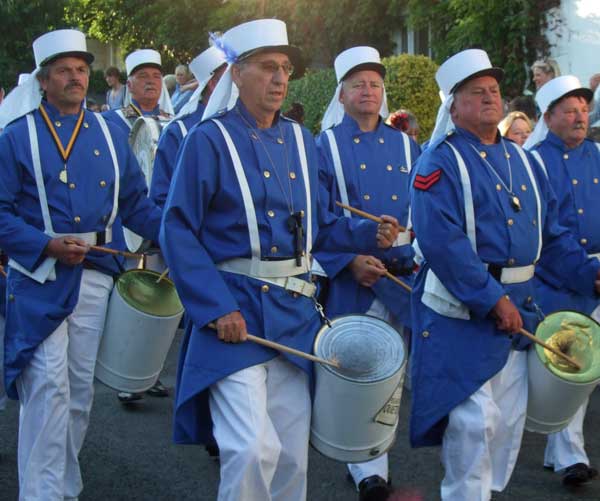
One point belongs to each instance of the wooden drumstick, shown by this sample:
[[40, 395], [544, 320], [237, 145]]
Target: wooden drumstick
[[3, 271], [395, 279], [522, 331], [559, 353], [287, 349], [364, 214], [115, 252], [162, 275]]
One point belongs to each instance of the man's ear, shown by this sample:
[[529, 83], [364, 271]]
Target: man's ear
[[236, 69]]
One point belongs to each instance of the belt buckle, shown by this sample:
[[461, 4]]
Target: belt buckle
[[299, 286]]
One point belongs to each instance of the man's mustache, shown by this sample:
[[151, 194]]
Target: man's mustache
[[73, 86]]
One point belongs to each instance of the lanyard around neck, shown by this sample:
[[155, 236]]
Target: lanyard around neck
[[65, 152]]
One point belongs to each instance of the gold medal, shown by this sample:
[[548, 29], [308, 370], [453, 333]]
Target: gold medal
[[63, 176], [516, 203]]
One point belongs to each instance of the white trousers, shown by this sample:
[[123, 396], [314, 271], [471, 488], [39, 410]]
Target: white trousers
[[380, 465], [56, 392], [566, 447], [261, 422], [483, 437]]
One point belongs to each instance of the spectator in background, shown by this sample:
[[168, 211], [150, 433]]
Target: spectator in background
[[543, 71], [525, 104], [516, 127], [170, 82], [296, 112], [184, 87], [116, 93], [595, 105], [405, 121]]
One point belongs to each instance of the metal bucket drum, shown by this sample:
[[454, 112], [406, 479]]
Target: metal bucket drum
[[557, 390], [356, 407], [140, 325], [143, 139]]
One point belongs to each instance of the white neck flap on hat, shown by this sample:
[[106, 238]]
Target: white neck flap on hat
[[344, 62], [203, 67], [549, 93], [27, 96]]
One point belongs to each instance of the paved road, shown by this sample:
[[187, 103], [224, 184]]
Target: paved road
[[128, 455]]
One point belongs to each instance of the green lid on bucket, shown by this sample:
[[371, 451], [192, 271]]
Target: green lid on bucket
[[576, 335], [139, 290]]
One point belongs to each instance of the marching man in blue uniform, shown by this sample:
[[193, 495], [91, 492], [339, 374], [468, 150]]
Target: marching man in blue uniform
[[207, 68], [66, 174], [483, 213], [572, 165], [367, 165], [145, 94], [240, 220]]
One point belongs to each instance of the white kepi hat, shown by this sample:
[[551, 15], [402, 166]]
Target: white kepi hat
[[454, 72], [203, 66], [147, 57], [27, 96], [239, 43], [346, 63], [548, 95]]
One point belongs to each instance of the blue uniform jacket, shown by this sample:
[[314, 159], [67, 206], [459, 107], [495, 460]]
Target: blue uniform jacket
[[205, 223], [377, 181], [83, 205], [574, 175], [171, 139], [452, 358]]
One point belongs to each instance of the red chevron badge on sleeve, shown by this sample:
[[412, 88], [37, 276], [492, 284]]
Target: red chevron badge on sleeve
[[426, 182]]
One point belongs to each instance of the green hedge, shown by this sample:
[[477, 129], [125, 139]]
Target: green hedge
[[409, 83]]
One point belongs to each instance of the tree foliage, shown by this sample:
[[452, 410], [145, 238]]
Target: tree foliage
[[511, 31], [21, 23], [178, 28]]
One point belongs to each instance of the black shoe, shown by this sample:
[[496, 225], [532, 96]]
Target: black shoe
[[158, 390], [578, 474], [125, 397], [373, 488]]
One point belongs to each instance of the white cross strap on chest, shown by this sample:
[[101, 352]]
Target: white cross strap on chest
[[182, 128], [275, 272], [403, 237], [538, 157], [45, 271], [339, 171], [435, 294]]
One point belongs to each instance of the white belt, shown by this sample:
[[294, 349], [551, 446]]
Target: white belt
[[292, 284], [403, 238], [517, 274], [596, 255], [90, 238], [280, 273], [267, 269]]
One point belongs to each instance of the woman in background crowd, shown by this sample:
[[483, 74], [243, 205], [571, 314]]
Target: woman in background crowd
[[116, 94], [516, 126]]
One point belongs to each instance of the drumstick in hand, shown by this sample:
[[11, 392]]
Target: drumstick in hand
[[557, 352], [115, 252], [364, 214], [287, 349]]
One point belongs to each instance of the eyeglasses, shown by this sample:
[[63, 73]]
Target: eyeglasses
[[272, 67]]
